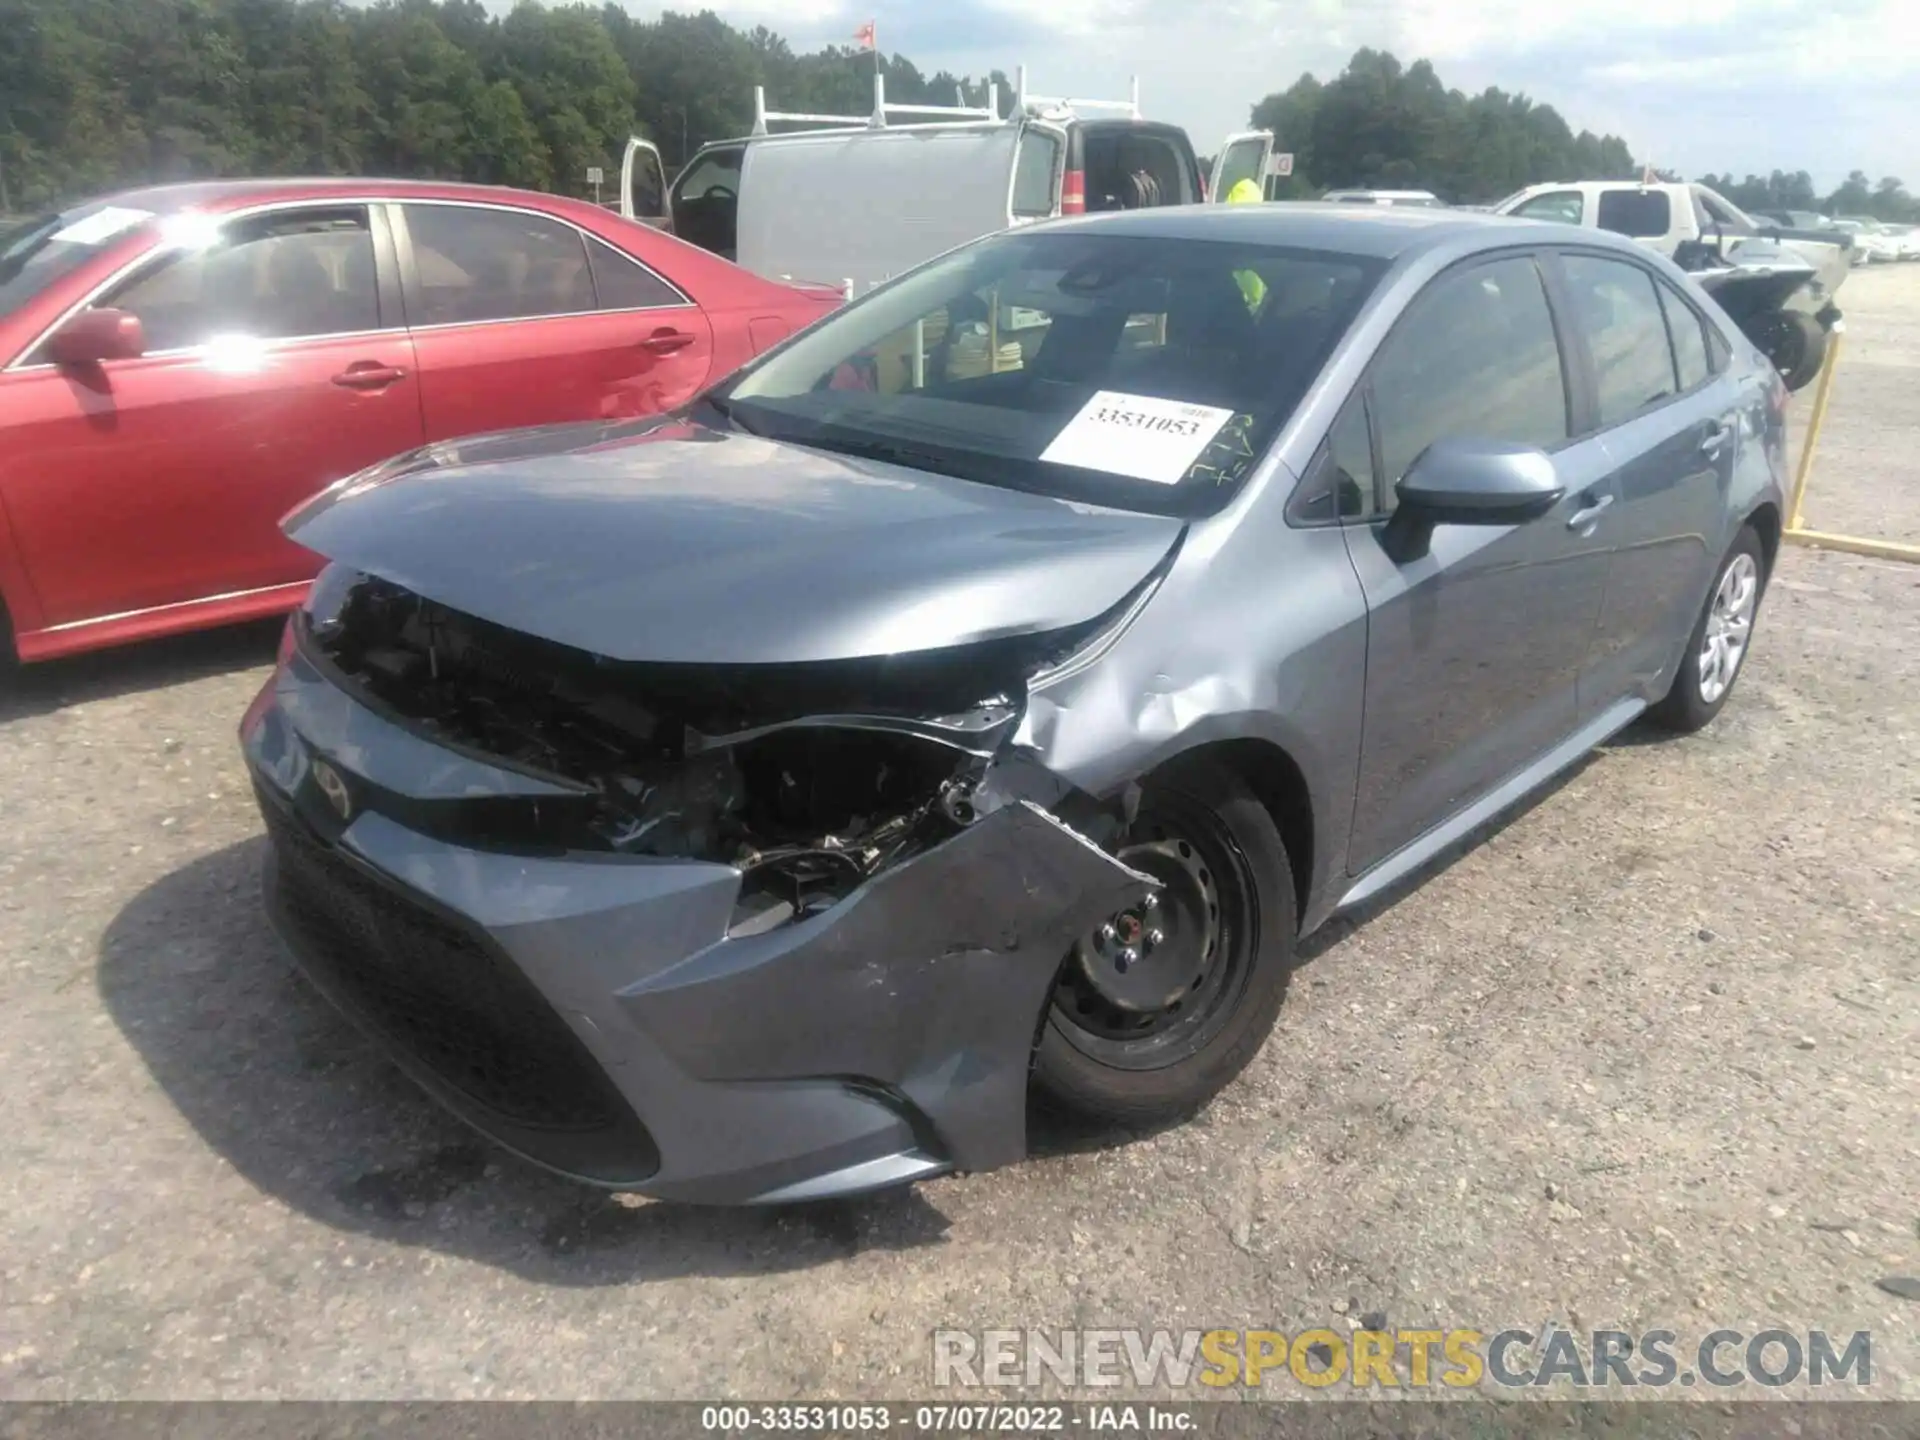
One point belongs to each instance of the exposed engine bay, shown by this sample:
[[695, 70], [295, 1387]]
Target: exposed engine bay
[[809, 779]]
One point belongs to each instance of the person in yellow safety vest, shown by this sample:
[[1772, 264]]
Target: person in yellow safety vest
[[1248, 192]]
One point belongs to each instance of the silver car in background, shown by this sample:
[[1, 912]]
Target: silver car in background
[[977, 697]]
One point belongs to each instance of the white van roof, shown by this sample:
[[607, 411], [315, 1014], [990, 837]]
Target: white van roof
[[1026, 106]]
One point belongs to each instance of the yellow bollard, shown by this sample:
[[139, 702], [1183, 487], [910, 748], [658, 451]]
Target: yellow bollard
[[1820, 397], [1796, 531]]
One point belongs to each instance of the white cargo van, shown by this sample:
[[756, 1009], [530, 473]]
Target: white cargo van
[[852, 200]]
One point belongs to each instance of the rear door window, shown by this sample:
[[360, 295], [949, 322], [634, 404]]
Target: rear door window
[[473, 264], [1618, 312], [1689, 332], [1475, 355], [278, 276], [1036, 171], [1641, 214]]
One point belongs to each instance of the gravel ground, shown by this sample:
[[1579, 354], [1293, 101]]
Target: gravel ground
[[1861, 483], [1646, 1056]]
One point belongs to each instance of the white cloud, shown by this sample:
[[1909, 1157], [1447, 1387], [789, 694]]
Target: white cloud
[[1821, 85]]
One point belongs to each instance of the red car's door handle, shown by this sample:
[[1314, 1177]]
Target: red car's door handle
[[369, 375], [665, 342]]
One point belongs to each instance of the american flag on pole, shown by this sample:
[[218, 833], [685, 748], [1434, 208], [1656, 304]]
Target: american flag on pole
[[864, 36]]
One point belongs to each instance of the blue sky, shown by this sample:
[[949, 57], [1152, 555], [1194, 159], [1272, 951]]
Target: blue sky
[[1748, 85]]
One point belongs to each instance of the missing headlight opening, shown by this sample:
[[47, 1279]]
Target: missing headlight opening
[[810, 779]]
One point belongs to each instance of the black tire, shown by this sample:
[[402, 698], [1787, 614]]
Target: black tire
[[1795, 342], [1687, 706], [1098, 1062]]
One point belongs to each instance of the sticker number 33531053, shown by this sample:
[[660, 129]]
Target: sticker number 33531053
[[1139, 436]]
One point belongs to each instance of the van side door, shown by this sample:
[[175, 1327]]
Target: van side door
[[1039, 170], [705, 199], [1241, 157], [643, 185]]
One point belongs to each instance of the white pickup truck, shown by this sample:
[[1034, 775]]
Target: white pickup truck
[[1778, 284]]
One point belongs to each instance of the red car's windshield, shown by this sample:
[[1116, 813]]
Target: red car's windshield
[[41, 251]]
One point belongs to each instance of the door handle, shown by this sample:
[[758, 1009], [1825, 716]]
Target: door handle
[[369, 375], [1587, 514], [1717, 438], [665, 342]]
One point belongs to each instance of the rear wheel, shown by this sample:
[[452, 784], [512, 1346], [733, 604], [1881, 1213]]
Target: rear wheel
[[1721, 637], [1163, 1004], [1795, 342]]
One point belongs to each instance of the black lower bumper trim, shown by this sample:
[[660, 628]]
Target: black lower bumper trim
[[453, 1011]]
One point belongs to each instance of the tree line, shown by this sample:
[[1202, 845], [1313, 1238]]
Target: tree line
[[101, 94]]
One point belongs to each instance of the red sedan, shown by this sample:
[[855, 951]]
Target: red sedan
[[180, 366]]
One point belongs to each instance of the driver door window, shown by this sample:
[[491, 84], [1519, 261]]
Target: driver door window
[[706, 201], [1475, 355], [277, 276]]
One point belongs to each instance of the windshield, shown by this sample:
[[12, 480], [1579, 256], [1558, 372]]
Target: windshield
[[36, 254], [1141, 372]]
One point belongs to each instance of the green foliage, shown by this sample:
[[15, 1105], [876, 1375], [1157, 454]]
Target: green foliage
[[1379, 126], [101, 94], [1888, 200]]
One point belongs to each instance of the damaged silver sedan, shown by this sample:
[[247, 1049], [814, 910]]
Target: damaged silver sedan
[[978, 695]]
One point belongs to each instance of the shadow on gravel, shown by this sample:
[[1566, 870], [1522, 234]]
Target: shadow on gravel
[[293, 1097], [310, 1113], [124, 670]]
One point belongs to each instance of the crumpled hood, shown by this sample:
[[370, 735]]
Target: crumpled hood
[[671, 542]]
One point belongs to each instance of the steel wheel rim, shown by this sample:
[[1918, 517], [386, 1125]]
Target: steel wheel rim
[[1786, 345], [1729, 628], [1205, 902]]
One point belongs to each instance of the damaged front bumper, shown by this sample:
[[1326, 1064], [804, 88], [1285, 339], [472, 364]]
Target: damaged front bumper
[[592, 1012]]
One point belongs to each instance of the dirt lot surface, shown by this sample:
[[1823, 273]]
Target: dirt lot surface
[[1860, 484], [1649, 1055]]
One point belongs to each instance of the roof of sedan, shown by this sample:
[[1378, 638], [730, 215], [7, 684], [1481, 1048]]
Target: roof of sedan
[[218, 194], [1383, 231]]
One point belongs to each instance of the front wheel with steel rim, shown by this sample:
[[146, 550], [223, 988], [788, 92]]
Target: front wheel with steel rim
[[1159, 1006], [1721, 638]]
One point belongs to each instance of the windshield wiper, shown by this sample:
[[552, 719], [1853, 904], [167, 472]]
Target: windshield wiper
[[890, 451], [726, 412]]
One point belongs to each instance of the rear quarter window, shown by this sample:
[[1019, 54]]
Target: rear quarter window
[[1640, 214]]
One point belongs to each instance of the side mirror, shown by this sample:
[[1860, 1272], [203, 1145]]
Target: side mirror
[[1464, 481], [96, 335]]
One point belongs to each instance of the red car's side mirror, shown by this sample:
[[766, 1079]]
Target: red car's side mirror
[[96, 335]]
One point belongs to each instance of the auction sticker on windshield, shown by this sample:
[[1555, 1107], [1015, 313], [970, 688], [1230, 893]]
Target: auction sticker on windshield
[[1139, 436]]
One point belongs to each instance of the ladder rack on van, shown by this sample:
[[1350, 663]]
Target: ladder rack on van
[[1039, 107]]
